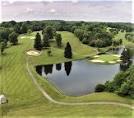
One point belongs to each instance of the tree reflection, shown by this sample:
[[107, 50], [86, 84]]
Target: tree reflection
[[68, 66], [48, 69], [125, 66], [39, 70], [58, 66]]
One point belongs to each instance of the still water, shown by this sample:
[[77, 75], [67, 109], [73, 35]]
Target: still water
[[77, 77]]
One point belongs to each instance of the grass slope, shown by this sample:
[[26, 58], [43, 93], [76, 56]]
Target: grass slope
[[24, 98]]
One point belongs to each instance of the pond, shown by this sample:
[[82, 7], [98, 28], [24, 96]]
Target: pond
[[77, 78]]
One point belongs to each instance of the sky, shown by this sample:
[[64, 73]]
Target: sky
[[67, 0], [91, 10]]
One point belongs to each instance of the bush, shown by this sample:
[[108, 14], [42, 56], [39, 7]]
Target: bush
[[99, 88]]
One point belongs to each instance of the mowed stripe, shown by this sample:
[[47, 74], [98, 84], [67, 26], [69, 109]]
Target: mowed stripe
[[16, 84]]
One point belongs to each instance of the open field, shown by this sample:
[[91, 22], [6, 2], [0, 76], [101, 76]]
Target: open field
[[26, 100]]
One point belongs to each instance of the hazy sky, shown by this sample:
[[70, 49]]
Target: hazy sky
[[67, 0], [88, 10]]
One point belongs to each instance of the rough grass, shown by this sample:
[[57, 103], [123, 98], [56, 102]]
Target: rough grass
[[24, 98]]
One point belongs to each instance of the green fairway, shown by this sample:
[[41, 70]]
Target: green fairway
[[26, 100], [58, 111]]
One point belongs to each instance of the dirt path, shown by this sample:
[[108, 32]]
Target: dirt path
[[46, 95]]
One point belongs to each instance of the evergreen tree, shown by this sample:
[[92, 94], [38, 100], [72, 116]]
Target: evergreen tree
[[2, 47], [68, 51], [24, 28], [45, 40], [58, 40], [37, 42], [125, 55]]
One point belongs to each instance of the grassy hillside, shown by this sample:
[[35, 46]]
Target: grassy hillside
[[26, 100]]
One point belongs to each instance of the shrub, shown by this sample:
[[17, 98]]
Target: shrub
[[99, 88]]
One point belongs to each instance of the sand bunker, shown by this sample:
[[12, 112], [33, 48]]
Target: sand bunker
[[111, 62], [22, 37], [97, 61], [116, 55], [33, 53], [119, 60], [96, 56]]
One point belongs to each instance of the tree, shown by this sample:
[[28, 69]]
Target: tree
[[49, 31], [79, 33], [121, 41], [24, 28], [99, 88], [58, 40], [68, 51], [17, 28], [45, 40], [13, 38], [49, 52], [124, 89], [2, 47], [38, 42], [125, 55], [29, 31], [4, 33]]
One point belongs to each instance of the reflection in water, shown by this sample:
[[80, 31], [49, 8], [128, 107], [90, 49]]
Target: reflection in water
[[78, 77], [68, 66], [125, 66], [39, 69], [68, 77], [48, 69], [58, 66]]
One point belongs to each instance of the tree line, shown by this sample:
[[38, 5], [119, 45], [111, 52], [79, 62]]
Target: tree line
[[91, 33]]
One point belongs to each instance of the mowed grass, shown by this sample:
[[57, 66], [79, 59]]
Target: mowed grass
[[15, 80], [24, 98], [60, 111], [79, 50]]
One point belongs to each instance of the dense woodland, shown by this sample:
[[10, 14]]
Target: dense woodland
[[94, 34]]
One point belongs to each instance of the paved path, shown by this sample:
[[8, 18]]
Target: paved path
[[46, 95]]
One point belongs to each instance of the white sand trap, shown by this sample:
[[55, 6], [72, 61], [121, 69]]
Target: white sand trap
[[119, 60], [97, 61], [111, 62], [96, 56], [22, 37], [33, 53], [116, 55]]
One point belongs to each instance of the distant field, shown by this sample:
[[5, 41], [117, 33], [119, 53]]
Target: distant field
[[26, 100]]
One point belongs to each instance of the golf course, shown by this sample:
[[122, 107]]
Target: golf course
[[30, 95]]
